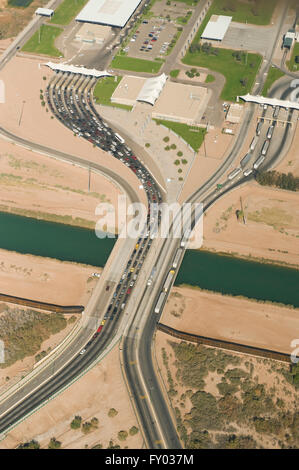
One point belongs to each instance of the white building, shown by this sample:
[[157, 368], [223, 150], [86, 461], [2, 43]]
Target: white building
[[44, 12], [216, 27], [108, 12]]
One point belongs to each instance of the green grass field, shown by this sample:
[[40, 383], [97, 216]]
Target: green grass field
[[291, 63], [273, 75], [42, 41], [174, 73], [135, 65], [104, 90], [67, 10], [233, 70], [192, 135]]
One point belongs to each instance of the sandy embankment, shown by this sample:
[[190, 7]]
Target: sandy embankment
[[232, 319], [271, 229], [93, 395], [38, 186]]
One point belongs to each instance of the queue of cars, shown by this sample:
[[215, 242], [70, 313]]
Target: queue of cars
[[69, 97]]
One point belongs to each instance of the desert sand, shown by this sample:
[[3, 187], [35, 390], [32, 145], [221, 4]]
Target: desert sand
[[271, 229], [93, 395], [41, 185], [45, 279], [34, 122], [232, 319]]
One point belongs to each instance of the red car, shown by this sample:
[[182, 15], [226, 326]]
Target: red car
[[129, 291], [134, 158], [99, 329]]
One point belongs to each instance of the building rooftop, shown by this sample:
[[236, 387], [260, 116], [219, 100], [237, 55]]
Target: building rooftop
[[216, 27], [109, 12]]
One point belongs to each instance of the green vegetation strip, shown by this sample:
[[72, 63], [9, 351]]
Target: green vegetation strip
[[239, 68], [104, 89], [19, 3], [194, 136], [135, 65], [67, 10], [42, 41], [273, 75], [292, 65]]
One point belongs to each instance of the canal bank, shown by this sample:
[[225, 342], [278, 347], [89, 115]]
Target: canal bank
[[214, 272]]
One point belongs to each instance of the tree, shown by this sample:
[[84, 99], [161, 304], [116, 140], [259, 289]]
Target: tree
[[30, 445], [76, 423], [54, 444]]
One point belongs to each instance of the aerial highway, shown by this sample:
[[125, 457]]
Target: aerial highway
[[70, 99]]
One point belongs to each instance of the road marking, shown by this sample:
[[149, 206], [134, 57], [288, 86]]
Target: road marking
[[142, 397]]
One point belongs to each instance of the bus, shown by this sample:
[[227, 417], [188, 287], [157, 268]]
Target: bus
[[258, 162], [119, 138], [270, 132], [168, 280], [265, 147], [234, 173], [160, 302]]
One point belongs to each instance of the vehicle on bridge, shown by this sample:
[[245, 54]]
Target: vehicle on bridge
[[234, 173], [177, 258], [160, 302], [265, 147], [168, 280]]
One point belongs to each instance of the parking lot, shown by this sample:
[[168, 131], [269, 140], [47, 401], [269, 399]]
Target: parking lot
[[248, 37], [151, 39]]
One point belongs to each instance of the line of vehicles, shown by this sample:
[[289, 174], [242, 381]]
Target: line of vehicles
[[246, 159], [170, 277], [69, 97]]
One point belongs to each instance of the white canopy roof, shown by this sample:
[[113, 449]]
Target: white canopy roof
[[108, 12], [79, 70], [270, 101], [152, 88]]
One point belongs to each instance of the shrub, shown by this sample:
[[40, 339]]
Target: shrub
[[54, 444], [112, 412], [134, 430], [76, 423], [122, 435], [184, 161], [180, 154], [177, 162], [147, 144]]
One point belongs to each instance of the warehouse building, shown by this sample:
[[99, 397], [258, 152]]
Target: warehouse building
[[108, 12], [216, 28]]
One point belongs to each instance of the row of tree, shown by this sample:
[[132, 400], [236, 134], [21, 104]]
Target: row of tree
[[280, 180]]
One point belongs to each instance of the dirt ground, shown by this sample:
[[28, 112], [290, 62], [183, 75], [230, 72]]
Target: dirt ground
[[264, 371], [101, 389], [272, 224], [232, 319], [35, 123], [13, 20], [37, 185], [290, 163], [12, 374]]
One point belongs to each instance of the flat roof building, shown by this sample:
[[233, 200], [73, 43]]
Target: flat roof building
[[181, 103], [44, 12], [127, 90], [93, 33], [216, 27], [108, 12]]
